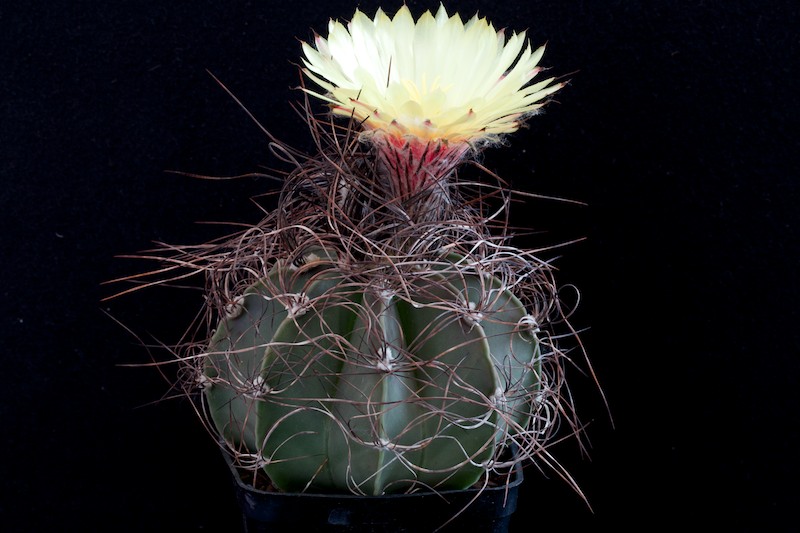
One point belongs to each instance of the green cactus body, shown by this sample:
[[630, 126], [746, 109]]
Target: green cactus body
[[337, 384]]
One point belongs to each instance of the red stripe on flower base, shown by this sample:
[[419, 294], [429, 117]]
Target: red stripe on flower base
[[412, 164]]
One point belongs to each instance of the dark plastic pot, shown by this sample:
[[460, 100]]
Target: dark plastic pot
[[488, 510]]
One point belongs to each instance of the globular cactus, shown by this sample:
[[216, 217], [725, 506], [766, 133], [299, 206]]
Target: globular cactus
[[333, 380], [376, 332]]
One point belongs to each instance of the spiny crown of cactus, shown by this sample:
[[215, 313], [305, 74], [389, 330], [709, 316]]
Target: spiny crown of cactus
[[377, 332]]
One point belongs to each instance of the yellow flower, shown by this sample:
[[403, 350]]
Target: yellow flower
[[438, 79]]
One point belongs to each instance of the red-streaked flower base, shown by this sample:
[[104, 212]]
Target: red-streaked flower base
[[413, 164]]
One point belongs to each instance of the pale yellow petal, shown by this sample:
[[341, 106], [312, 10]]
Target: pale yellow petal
[[436, 77]]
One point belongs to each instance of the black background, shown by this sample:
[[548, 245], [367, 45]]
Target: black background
[[677, 130]]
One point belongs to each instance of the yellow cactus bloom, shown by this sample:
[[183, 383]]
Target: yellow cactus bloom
[[436, 79]]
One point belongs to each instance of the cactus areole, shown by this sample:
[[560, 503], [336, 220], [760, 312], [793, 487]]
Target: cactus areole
[[334, 386]]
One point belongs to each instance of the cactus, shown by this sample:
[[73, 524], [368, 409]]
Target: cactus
[[376, 332], [338, 384]]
